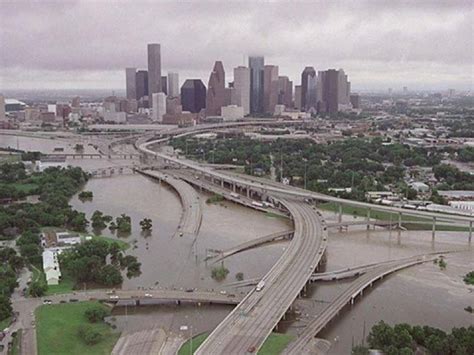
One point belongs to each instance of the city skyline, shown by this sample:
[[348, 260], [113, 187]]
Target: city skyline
[[403, 45]]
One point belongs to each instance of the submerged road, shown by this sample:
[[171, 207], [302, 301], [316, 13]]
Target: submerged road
[[251, 244], [191, 218], [252, 321]]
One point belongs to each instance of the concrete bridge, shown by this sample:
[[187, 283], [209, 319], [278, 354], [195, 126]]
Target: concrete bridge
[[302, 345], [116, 156]]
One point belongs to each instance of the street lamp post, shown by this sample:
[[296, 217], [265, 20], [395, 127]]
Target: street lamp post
[[305, 171]]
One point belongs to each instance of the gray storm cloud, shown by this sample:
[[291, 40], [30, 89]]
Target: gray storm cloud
[[379, 43]]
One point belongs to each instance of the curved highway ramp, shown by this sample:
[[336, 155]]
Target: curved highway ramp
[[303, 344], [191, 218]]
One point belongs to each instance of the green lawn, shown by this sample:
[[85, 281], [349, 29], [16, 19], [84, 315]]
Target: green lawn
[[197, 341], [66, 285], [57, 327], [274, 344], [5, 323], [385, 216], [27, 188], [15, 349], [122, 244]]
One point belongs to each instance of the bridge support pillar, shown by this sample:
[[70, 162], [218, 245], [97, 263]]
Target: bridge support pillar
[[248, 192], [399, 220], [470, 231], [222, 183], [368, 218], [233, 187], [434, 229]]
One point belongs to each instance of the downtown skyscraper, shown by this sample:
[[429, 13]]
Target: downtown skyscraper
[[216, 91], [256, 66], [241, 91], [131, 83], [173, 84], [308, 88], [154, 69]]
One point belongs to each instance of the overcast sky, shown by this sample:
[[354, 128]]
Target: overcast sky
[[380, 44]]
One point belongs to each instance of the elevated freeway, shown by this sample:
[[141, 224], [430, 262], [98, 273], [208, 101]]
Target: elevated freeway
[[272, 187], [191, 217], [303, 344], [250, 323]]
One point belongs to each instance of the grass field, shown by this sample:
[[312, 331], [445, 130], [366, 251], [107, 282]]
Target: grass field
[[15, 349], [387, 216], [66, 285], [5, 323], [57, 328], [274, 344], [122, 244], [27, 188], [197, 341]]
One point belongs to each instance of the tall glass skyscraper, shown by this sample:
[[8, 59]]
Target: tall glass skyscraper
[[154, 69], [256, 65]]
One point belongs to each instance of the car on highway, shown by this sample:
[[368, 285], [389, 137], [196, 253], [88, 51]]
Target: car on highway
[[114, 297], [260, 286], [223, 292], [148, 295], [189, 290]]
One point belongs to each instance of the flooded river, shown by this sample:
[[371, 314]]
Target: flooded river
[[422, 294]]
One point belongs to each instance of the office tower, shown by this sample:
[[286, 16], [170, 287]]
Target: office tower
[[270, 88], [173, 84], [141, 84], [256, 65], [355, 101], [298, 97], [405, 90], [2, 108], [154, 68], [308, 88], [285, 91], [131, 83], [343, 89], [173, 105], [242, 88], [76, 101], [158, 106], [328, 92], [193, 95], [216, 93], [164, 84]]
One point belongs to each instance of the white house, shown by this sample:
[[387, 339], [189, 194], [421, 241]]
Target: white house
[[51, 266]]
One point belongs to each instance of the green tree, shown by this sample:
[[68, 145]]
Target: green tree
[[381, 336], [97, 220], [5, 307], [96, 314], [110, 276], [37, 289], [146, 224], [89, 335]]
